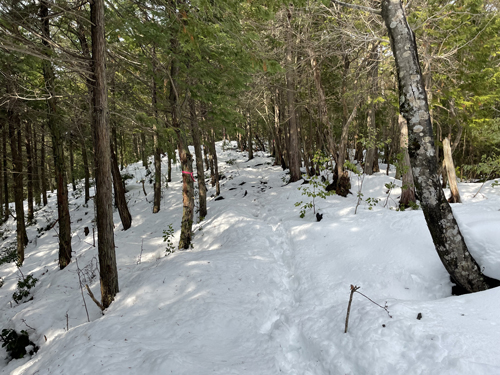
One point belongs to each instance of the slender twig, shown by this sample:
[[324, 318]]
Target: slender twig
[[81, 289], [359, 7], [372, 301], [24, 321]]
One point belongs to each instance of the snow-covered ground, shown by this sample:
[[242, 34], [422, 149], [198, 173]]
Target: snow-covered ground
[[262, 291]]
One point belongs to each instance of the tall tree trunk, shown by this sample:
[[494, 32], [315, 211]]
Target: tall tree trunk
[[36, 170], [371, 160], [17, 176], [450, 171], [43, 176], [103, 197], [144, 154], [72, 163], [118, 185], [29, 170], [408, 188], [2, 187], [213, 155], [249, 137], [346, 121], [448, 240], [119, 190], [156, 141], [5, 135], [86, 169], [57, 146], [200, 175], [294, 162], [184, 155]]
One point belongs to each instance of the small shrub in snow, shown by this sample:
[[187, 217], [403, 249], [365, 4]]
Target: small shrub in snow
[[17, 343], [168, 236], [23, 288], [9, 255], [127, 176], [315, 189]]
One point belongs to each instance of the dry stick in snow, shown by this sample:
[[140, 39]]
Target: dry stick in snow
[[353, 289], [93, 299]]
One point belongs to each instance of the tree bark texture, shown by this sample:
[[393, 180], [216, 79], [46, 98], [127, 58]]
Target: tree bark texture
[[119, 190], [103, 197], [371, 160], [294, 161], [17, 176], [29, 170], [43, 176], [450, 171], [5, 135], [200, 174], [446, 235], [156, 141], [57, 146], [185, 157], [249, 136], [408, 189], [36, 171]]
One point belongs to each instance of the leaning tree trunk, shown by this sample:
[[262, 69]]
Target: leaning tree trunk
[[103, 198], [450, 171], [446, 235]]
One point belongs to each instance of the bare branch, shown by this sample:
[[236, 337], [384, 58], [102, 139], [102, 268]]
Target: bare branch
[[359, 7]]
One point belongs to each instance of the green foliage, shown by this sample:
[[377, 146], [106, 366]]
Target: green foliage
[[487, 168], [372, 202], [9, 255], [316, 187], [389, 186], [127, 176], [168, 237], [495, 183], [351, 167], [16, 343], [230, 161], [412, 205], [23, 288]]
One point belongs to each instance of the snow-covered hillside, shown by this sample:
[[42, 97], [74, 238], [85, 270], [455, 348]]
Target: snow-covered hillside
[[262, 291]]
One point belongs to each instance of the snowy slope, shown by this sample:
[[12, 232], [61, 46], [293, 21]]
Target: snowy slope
[[262, 291]]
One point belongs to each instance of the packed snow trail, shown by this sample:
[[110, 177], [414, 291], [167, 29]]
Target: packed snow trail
[[263, 291]]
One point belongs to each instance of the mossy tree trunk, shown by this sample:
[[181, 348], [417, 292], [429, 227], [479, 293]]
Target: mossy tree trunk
[[446, 235]]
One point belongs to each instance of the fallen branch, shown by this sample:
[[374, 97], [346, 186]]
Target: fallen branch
[[93, 298]]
